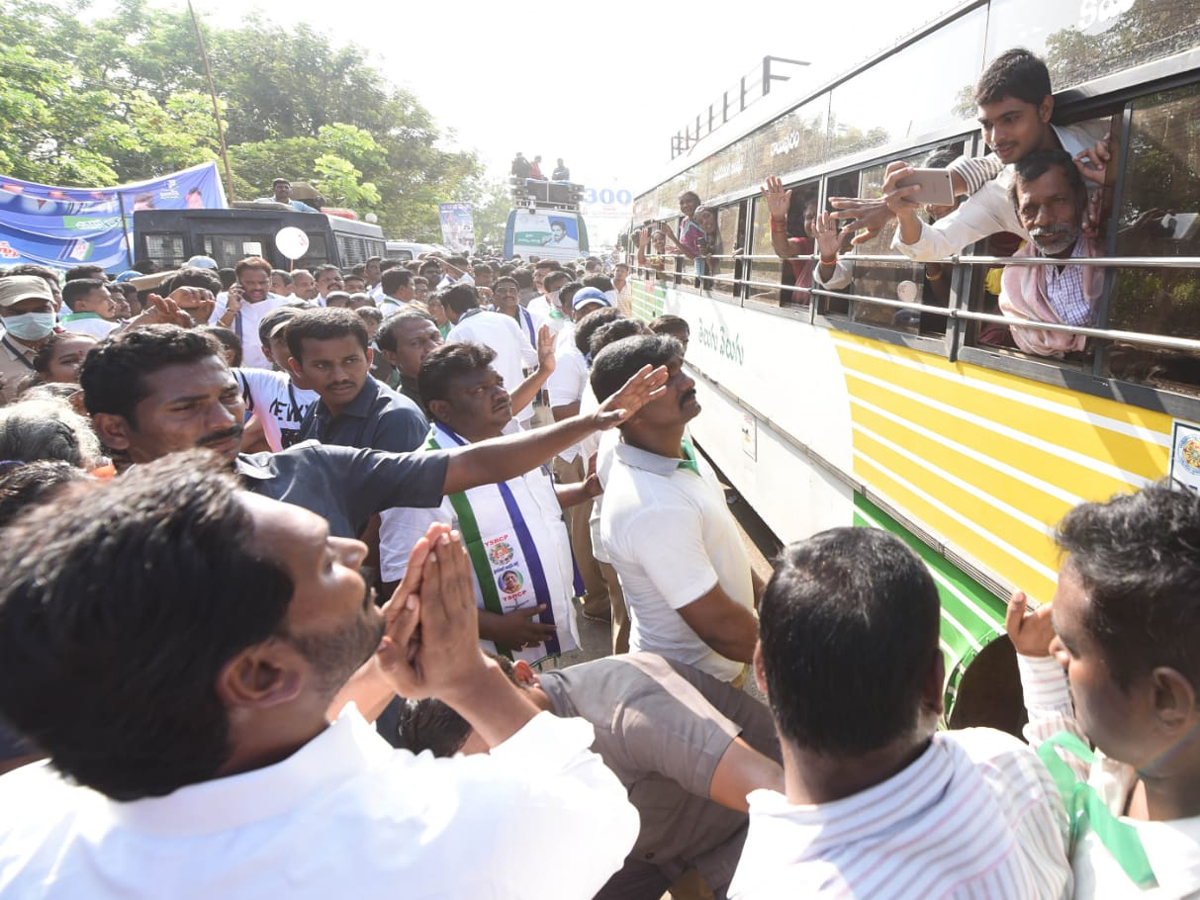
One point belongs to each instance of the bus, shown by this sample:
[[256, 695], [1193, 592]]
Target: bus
[[169, 237], [545, 221], [897, 402]]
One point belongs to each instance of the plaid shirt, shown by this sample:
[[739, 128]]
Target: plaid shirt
[[1064, 290]]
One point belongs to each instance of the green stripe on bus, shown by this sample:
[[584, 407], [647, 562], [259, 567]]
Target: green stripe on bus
[[971, 615]]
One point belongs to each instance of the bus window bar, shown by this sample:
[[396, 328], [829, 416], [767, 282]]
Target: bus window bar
[[1133, 337], [1151, 262]]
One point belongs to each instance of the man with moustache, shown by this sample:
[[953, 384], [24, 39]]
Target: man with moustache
[[1050, 197], [245, 305], [667, 528], [155, 391], [187, 695]]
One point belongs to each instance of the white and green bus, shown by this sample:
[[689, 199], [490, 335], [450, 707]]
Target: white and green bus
[[896, 402]]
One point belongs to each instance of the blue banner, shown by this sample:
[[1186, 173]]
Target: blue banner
[[63, 227]]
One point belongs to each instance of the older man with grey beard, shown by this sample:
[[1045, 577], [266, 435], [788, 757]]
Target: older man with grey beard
[[1050, 199]]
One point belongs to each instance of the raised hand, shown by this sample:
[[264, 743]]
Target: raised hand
[[1092, 162], [431, 646], [779, 201], [197, 302], [1030, 631], [828, 239], [545, 349]]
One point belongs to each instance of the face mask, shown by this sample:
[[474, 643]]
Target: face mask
[[29, 326]]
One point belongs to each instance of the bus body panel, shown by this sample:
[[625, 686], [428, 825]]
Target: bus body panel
[[818, 428]]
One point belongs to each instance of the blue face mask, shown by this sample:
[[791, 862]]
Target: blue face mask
[[29, 326]]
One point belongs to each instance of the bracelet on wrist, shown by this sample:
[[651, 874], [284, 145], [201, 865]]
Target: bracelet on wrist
[[829, 262], [778, 225]]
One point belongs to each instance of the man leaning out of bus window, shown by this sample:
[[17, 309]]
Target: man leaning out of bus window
[[1051, 200], [1014, 107]]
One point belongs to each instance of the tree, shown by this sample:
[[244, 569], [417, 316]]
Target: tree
[[123, 97]]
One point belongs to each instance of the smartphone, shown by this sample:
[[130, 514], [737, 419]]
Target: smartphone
[[936, 187]]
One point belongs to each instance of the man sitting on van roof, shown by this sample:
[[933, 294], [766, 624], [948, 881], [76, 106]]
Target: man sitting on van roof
[[283, 194]]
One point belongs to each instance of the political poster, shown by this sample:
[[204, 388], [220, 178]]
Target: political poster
[[547, 235], [458, 226], [63, 227]]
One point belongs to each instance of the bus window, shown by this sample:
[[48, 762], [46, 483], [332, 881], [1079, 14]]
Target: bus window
[[227, 249], [1159, 216], [725, 267], [887, 280], [794, 275]]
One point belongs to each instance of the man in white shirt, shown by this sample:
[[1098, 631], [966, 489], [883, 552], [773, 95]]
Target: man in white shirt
[[1112, 662], [1015, 105], [501, 333], [190, 753], [92, 307], [667, 528], [279, 397], [547, 304], [242, 309], [878, 803], [396, 290]]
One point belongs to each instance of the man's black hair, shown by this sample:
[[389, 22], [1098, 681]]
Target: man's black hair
[[1034, 165], [611, 332], [228, 339], [669, 324], [1015, 73], [325, 324], [120, 604], [192, 276], [323, 268], [432, 725], [386, 264], [459, 297], [394, 279], [86, 270], [566, 293], [940, 157], [503, 278], [118, 374], [848, 625], [524, 278], [286, 277], [619, 362], [385, 336], [589, 324], [600, 282], [1137, 557], [557, 277], [228, 276], [75, 290], [450, 361]]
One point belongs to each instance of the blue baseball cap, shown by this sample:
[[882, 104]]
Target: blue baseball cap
[[128, 276], [587, 297]]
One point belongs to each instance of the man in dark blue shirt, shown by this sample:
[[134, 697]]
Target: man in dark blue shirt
[[330, 352]]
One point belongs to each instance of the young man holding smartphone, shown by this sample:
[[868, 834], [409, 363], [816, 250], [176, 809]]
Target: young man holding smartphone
[[248, 300]]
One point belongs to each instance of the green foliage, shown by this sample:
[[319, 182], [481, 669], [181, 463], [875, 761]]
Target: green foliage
[[124, 97]]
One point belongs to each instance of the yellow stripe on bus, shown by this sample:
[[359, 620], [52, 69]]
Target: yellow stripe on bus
[[1139, 458], [971, 541]]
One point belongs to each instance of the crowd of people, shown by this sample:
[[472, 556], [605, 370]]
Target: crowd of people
[[291, 562]]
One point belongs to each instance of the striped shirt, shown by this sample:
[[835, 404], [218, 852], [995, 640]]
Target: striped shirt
[[1064, 291], [975, 816]]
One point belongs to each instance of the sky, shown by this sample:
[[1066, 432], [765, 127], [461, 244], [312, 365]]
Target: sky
[[602, 85], [605, 85]]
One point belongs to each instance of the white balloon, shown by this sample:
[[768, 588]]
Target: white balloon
[[292, 242]]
